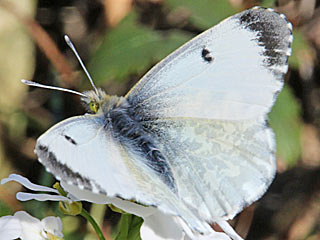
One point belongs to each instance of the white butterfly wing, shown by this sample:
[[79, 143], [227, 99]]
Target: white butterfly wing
[[203, 110], [221, 166], [232, 71], [70, 148], [207, 105], [82, 152]]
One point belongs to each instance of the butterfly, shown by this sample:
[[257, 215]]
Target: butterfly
[[191, 137]]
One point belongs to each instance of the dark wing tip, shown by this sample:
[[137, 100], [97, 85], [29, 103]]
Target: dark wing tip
[[274, 33]]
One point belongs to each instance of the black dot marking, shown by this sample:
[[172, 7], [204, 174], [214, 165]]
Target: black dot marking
[[70, 139], [206, 55]]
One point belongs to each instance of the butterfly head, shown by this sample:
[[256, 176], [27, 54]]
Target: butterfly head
[[95, 99]]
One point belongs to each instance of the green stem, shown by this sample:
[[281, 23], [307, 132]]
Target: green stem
[[83, 213], [87, 216]]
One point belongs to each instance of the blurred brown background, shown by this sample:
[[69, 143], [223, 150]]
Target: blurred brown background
[[120, 40]]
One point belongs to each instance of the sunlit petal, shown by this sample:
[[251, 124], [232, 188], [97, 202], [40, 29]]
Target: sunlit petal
[[26, 183], [26, 227], [127, 206], [10, 228], [52, 225], [157, 225], [31, 227], [161, 226], [22, 196]]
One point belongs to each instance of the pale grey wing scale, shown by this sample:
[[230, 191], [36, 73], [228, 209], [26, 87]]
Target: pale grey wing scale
[[231, 71], [221, 166], [82, 151]]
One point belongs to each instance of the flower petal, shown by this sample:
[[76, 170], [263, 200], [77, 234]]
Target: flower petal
[[10, 228], [212, 235], [84, 195], [26, 183], [22, 196], [161, 226], [52, 225], [157, 225], [30, 226], [228, 230], [127, 206]]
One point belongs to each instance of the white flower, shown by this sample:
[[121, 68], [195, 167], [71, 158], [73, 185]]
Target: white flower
[[22, 196], [157, 225], [24, 226]]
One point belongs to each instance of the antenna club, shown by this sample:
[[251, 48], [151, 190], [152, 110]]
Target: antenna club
[[29, 83], [68, 41], [66, 37], [70, 44]]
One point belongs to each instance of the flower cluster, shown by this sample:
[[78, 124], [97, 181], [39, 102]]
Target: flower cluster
[[156, 225], [24, 226]]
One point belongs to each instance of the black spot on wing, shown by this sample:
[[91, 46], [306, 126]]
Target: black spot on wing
[[274, 33], [205, 54], [70, 139]]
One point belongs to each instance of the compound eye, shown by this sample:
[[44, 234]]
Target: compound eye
[[94, 107]]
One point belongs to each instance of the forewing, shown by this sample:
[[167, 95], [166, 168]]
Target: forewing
[[232, 71], [76, 148], [83, 151]]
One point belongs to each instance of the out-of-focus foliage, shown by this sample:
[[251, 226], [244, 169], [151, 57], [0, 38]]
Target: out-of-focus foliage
[[16, 62], [203, 14], [268, 3], [15, 41], [5, 209], [130, 48], [71, 227], [119, 55], [285, 121], [299, 47]]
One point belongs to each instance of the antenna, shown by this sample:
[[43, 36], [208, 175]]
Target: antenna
[[70, 44], [34, 84]]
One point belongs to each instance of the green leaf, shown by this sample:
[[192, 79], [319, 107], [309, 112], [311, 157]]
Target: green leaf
[[285, 121], [5, 209], [203, 13], [130, 48], [268, 3], [128, 227], [134, 230]]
